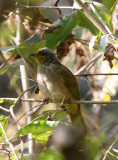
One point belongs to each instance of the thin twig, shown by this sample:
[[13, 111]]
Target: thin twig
[[106, 27], [25, 62], [25, 86], [109, 149], [94, 59], [7, 140], [60, 12], [4, 150], [4, 109], [95, 21], [10, 73], [96, 74], [19, 97], [40, 105], [6, 61], [50, 7], [65, 102]]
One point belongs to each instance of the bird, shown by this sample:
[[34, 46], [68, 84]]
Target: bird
[[58, 83]]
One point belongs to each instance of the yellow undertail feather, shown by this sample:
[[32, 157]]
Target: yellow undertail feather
[[76, 116]]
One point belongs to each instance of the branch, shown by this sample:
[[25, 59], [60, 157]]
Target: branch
[[27, 112], [50, 7], [91, 17], [25, 86], [6, 61], [95, 21], [91, 62], [109, 149], [96, 74], [19, 97], [7, 140], [65, 102], [106, 27]]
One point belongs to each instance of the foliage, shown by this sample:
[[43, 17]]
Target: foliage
[[4, 122], [65, 27], [40, 129], [109, 4], [51, 155]]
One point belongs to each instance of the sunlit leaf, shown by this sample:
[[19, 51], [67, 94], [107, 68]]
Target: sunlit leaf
[[103, 42], [117, 40], [6, 100], [43, 138], [38, 127], [4, 122]]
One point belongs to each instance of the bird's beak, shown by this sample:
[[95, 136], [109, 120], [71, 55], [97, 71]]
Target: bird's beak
[[33, 54]]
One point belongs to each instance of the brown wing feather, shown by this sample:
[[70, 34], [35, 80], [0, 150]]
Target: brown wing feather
[[69, 81]]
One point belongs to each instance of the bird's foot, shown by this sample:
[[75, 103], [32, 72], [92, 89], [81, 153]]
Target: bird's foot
[[46, 100], [63, 108], [69, 101]]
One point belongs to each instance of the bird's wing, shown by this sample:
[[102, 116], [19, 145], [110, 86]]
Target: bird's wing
[[69, 80]]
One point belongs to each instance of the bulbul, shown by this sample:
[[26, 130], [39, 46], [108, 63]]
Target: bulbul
[[57, 82]]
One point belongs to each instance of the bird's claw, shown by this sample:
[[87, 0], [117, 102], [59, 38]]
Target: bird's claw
[[46, 100]]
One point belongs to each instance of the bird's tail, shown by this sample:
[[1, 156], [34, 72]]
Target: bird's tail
[[76, 117]]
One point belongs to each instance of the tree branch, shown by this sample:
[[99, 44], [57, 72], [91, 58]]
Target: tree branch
[[7, 140], [65, 102]]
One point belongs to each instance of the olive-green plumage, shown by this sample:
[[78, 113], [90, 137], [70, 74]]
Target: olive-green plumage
[[57, 82]]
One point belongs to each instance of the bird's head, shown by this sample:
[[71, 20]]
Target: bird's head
[[44, 56]]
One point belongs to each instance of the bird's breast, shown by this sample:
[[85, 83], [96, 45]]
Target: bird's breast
[[50, 84]]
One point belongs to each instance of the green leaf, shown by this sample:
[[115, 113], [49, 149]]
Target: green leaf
[[6, 100], [66, 26], [60, 115], [51, 155], [30, 45], [38, 127], [12, 106], [13, 65], [104, 14], [93, 145], [44, 115], [3, 159], [103, 42], [3, 70], [27, 47], [117, 40], [43, 138], [110, 4], [4, 122]]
